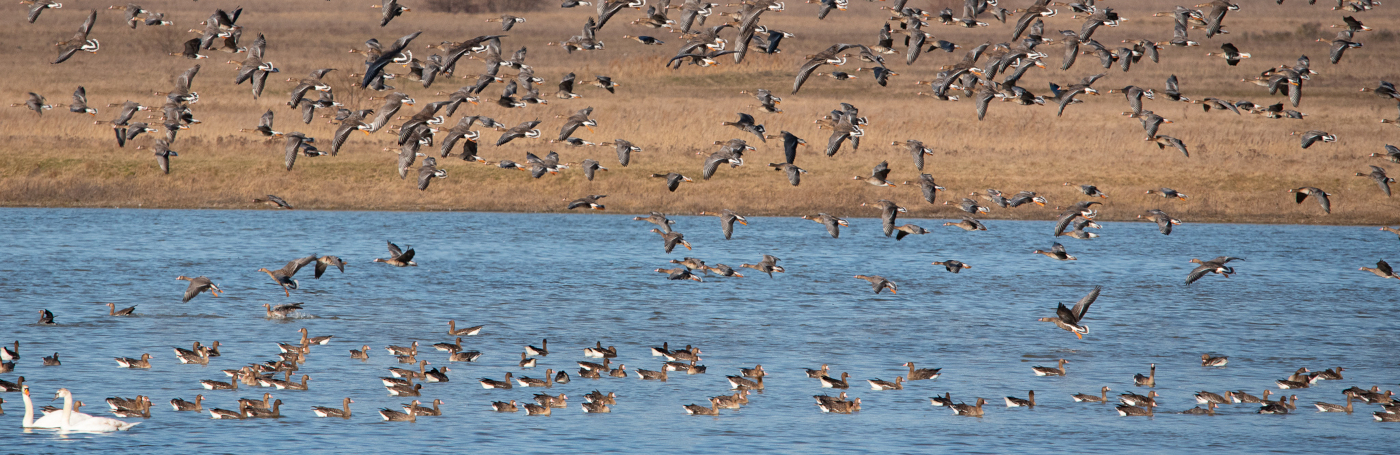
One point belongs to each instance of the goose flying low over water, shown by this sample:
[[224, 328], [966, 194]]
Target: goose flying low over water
[[197, 285], [879, 283], [1070, 318], [1216, 265], [398, 258]]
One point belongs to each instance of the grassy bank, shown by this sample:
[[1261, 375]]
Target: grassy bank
[[1240, 169]]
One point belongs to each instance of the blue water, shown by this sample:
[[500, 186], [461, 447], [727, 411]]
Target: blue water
[[1297, 301]]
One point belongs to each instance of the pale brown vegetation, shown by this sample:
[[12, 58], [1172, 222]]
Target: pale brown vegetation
[[1240, 166]]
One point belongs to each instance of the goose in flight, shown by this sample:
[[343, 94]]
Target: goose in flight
[[1378, 174], [197, 285], [398, 258], [1299, 194], [1057, 251], [1216, 265], [1071, 318], [879, 176], [879, 283], [590, 201], [829, 56], [283, 276], [1382, 270], [726, 221], [1163, 220], [833, 224]]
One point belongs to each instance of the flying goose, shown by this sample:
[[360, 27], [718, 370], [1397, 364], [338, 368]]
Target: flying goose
[[1164, 221], [1070, 319], [398, 258], [833, 224], [767, 265], [1378, 174], [1382, 270], [79, 41], [283, 276], [878, 176], [1057, 251], [879, 283], [673, 180], [1216, 265], [726, 221]]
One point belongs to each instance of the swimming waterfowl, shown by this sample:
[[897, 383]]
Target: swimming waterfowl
[[1086, 398], [1134, 411], [1208, 361], [829, 382], [694, 409], [1146, 381], [1013, 402], [1279, 407], [548, 380], [52, 361], [182, 405], [839, 406], [503, 406], [410, 374], [879, 384], [219, 385], [343, 412], [45, 317], [398, 258], [1216, 265], [195, 355], [734, 401], [112, 310], [963, 409], [1047, 371], [127, 362], [879, 283], [1133, 399], [281, 311], [464, 356], [1057, 251]]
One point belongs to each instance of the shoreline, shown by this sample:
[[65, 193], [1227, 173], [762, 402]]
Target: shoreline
[[1343, 221]]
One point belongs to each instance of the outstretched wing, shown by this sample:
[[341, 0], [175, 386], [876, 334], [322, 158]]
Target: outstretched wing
[[1083, 305]]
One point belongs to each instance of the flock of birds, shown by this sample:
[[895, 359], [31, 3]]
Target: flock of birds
[[703, 47], [976, 77], [279, 373]]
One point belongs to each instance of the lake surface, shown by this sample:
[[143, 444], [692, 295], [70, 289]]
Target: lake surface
[[1298, 301]]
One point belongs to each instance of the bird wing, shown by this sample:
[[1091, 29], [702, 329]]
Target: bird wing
[[712, 163], [292, 267], [1197, 273], [881, 171], [1057, 248], [794, 174], [1384, 267], [293, 146], [834, 143], [1083, 305], [806, 71]]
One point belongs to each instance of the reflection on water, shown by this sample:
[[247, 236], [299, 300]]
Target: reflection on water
[[1298, 300]]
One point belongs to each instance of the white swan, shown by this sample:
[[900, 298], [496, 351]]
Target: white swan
[[91, 424], [49, 420]]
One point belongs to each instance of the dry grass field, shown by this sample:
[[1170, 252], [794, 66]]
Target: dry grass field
[[1240, 169]]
